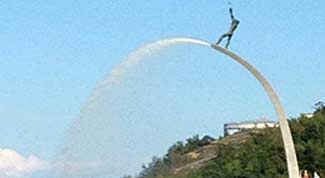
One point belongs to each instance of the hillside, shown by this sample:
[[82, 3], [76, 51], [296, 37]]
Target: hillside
[[254, 153]]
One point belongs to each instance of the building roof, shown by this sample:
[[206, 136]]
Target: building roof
[[259, 121]]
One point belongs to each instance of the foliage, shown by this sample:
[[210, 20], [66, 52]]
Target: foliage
[[262, 155]]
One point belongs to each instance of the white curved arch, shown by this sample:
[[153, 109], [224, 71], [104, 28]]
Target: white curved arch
[[291, 157]]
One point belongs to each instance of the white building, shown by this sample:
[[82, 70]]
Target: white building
[[308, 115], [232, 128]]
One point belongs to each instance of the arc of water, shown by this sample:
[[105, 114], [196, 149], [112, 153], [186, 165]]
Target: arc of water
[[291, 157], [132, 60]]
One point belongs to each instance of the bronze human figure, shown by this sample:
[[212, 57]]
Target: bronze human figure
[[233, 27]]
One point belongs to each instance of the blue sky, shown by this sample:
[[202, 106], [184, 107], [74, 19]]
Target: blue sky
[[53, 53]]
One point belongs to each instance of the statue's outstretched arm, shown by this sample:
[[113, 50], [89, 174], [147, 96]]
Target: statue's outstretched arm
[[231, 14]]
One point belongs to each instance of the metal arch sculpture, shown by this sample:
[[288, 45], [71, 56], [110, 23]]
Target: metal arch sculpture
[[290, 152], [138, 55]]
